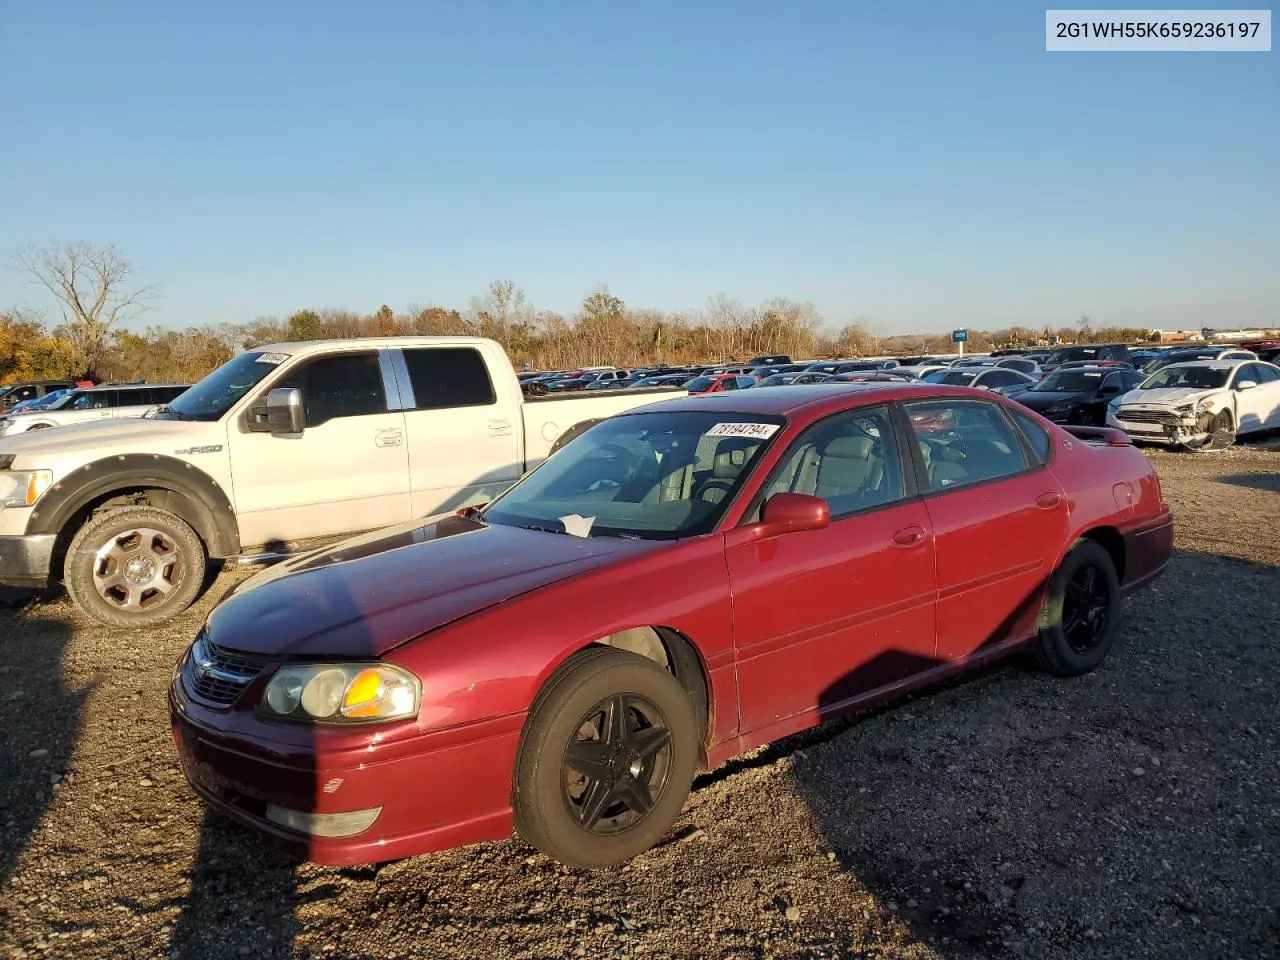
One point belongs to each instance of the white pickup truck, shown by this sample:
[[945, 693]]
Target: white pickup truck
[[285, 443]]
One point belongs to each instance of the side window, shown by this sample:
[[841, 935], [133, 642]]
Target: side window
[[169, 394], [96, 400], [964, 442], [23, 393], [1037, 436], [729, 383], [447, 377], [999, 378], [348, 385], [849, 460], [1266, 373]]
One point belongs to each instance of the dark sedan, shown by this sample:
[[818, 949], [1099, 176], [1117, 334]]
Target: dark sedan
[[1079, 394]]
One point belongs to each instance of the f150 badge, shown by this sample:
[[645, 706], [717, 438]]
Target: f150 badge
[[208, 448]]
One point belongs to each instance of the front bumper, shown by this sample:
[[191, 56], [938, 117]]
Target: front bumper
[[1167, 431], [436, 791], [25, 561]]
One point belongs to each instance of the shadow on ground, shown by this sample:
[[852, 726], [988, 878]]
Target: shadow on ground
[[1023, 815], [40, 719], [1255, 481]]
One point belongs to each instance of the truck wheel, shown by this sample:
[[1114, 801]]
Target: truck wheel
[[606, 760], [134, 565]]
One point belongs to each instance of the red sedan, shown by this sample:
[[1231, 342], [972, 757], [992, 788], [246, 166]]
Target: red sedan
[[677, 585], [720, 382]]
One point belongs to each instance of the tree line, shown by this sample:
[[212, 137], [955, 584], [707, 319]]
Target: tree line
[[96, 295]]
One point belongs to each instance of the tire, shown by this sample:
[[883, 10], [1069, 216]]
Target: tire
[[1067, 645], [164, 550], [1222, 433], [553, 801]]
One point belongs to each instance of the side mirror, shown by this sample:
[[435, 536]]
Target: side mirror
[[1246, 384], [1109, 390], [793, 513], [284, 410]]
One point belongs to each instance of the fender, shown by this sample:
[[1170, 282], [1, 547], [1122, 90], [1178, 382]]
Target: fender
[[195, 496]]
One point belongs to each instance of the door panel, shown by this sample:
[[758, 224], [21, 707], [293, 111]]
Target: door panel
[[825, 615], [997, 524], [343, 473], [995, 544], [464, 446]]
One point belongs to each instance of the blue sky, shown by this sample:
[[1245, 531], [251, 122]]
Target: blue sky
[[920, 164]]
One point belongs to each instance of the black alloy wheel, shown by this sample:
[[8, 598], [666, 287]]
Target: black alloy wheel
[[606, 759], [1082, 611], [1085, 609], [619, 761]]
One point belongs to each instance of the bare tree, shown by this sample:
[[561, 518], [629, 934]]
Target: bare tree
[[93, 286]]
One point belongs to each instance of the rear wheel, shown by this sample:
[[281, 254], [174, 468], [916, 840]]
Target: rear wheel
[[134, 565], [1081, 616], [606, 761]]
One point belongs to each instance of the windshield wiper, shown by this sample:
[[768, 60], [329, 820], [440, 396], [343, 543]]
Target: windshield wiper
[[541, 529], [167, 409]]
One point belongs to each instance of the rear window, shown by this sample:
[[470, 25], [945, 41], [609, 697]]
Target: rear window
[[444, 377], [1037, 436]]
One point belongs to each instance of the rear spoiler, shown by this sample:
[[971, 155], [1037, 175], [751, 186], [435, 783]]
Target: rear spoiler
[[1100, 436]]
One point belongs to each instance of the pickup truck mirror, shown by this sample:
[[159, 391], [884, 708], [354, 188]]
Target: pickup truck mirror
[[284, 410], [1246, 384]]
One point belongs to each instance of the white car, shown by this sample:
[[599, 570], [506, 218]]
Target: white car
[[93, 403], [1202, 403]]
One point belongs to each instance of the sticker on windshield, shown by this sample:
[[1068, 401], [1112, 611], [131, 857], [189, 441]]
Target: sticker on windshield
[[271, 358], [754, 431]]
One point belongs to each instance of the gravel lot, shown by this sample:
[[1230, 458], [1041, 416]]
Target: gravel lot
[[1131, 813]]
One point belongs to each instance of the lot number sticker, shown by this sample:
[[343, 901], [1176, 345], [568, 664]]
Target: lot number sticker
[[272, 358], [754, 431]]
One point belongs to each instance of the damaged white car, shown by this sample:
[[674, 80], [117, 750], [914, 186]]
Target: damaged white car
[[1204, 404]]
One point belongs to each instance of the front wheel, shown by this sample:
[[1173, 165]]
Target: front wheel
[[606, 761], [134, 565], [1082, 613]]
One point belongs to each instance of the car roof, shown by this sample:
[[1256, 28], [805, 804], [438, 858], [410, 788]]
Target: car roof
[[810, 397], [1209, 364]]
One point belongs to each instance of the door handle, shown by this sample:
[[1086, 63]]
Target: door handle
[[388, 438], [1047, 501], [499, 428], [909, 536]]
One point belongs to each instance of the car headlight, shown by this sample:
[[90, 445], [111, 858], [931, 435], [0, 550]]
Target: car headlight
[[342, 693], [22, 488]]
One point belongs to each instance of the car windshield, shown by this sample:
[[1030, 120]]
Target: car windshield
[[698, 383], [952, 378], [1159, 363], [1069, 381], [655, 476], [1195, 378], [1073, 353], [777, 380], [215, 394]]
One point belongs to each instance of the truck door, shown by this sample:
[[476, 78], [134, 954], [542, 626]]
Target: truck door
[[347, 470], [464, 443]]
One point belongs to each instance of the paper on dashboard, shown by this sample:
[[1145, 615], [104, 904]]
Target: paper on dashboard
[[577, 526]]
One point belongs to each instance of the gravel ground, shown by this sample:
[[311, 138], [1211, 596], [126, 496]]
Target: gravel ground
[[1131, 813]]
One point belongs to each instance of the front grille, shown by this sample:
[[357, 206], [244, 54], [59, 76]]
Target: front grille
[[218, 675], [1149, 416]]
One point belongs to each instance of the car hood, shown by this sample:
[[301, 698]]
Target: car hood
[[1168, 396], [104, 437], [365, 596], [1044, 399]]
